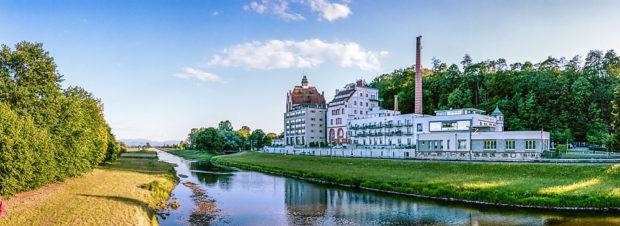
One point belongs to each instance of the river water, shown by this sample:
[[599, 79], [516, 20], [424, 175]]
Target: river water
[[215, 196]]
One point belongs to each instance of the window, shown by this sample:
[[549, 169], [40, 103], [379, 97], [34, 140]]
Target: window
[[343, 111], [355, 111], [449, 125], [419, 127], [448, 145], [510, 145], [338, 121], [312, 119], [462, 144], [530, 145], [490, 144], [331, 121], [355, 103], [366, 104]]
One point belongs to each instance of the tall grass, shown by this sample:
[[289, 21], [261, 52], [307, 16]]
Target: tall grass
[[515, 184]]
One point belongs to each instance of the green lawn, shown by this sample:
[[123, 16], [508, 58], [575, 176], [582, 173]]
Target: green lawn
[[141, 154], [125, 192], [526, 184], [192, 154]]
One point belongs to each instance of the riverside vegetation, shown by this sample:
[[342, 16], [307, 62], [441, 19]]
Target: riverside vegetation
[[47, 133], [587, 186], [127, 191]]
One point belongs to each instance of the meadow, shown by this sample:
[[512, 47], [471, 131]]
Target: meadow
[[543, 185], [192, 154], [127, 191]]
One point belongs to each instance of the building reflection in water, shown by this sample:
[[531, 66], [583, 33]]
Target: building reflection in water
[[312, 204]]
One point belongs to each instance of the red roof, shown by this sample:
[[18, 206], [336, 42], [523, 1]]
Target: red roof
[[307, 96]]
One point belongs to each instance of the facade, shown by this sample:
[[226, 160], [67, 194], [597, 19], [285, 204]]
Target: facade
[[354, 101], [490, 145], [304, 119], [383, 128]]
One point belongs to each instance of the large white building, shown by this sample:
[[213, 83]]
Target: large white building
[[355, 101], [304, 119], [382, 127]]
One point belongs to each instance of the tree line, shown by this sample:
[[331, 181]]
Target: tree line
[[570, 98], [47, 133], [225, 138]]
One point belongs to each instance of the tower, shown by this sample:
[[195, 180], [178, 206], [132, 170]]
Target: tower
[[304, 82], [499, 124], [418, 76]]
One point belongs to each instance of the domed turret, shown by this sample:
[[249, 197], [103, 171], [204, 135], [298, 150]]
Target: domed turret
[[304, 82]]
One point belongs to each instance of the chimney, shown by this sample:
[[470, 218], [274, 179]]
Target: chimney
[[418, 76], [395, 102], [360, 83]]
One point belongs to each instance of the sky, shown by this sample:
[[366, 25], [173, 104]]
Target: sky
[[164, 67]]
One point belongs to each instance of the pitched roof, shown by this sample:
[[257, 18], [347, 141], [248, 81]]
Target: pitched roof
[[310, 95], [343, 95]]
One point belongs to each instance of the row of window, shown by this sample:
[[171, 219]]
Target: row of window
[[338, 121], [375, 141], [488, 144]]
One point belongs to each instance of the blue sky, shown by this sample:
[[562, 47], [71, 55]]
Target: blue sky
[[164, 67]]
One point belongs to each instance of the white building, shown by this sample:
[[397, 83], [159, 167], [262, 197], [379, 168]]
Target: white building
[[382, 128], [354, 101], [304, 119]]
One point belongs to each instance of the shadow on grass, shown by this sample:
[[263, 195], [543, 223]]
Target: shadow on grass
[[152, 167], [120, 199]]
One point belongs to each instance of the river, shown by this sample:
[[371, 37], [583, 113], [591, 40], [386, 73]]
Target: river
[[215, 196]]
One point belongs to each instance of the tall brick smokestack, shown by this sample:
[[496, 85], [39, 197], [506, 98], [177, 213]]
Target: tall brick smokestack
[[395, 102], [418, 76]]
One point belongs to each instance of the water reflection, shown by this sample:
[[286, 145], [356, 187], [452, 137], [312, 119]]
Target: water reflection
[[252, 198]]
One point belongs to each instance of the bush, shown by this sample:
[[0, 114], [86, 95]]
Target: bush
[[47, 133]]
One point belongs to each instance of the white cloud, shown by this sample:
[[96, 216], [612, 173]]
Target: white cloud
[[330, 11], [327, 10], [278, 54], [189, 73], [215, 13]]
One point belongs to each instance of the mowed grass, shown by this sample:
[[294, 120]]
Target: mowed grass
[[523, 184], [140, 154], [125, 192], [192, 154]]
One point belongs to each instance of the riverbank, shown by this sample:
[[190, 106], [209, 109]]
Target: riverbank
[[127, 191], [192, 154], [526, 185]]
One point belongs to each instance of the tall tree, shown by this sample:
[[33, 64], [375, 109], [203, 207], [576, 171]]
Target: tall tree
[[225, 125]]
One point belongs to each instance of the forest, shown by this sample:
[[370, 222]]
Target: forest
[[572, 99], [47, 133]]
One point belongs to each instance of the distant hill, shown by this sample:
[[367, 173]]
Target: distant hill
[[141, 142]]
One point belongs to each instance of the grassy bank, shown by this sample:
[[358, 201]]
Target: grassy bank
[[192, 154], [516, 184], [127, 191]]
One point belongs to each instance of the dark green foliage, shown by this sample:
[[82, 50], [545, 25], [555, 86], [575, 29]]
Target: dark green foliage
[[46, 133], [570, 99], [208, 140], [615, 126]]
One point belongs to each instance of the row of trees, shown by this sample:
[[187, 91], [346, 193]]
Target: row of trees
[[47, 133], [570, 98], [224, 137]]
